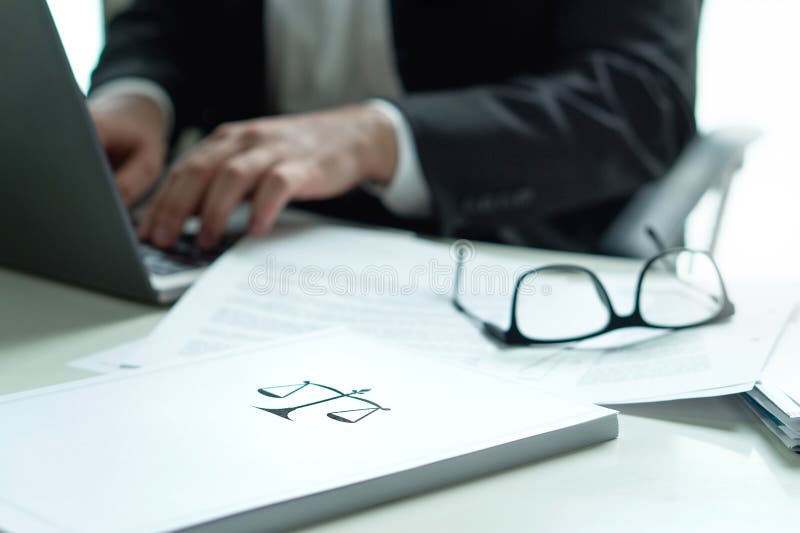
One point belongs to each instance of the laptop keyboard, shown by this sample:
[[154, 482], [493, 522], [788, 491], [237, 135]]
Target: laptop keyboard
[[185, 255]]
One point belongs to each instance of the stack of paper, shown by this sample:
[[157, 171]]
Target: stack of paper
[[268, 438], [776, 398], [397, 288]]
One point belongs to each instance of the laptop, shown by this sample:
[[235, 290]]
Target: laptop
[[60, 213]]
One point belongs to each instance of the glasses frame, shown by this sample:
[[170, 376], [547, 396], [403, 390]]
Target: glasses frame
[[514, 337]]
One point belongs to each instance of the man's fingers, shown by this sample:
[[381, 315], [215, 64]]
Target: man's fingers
[[275, 190], [137, 174], [235, 178], [103, 134], [145, 225], [184, 190], [136, 163]]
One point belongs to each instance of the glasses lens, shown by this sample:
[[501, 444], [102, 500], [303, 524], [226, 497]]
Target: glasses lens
[[680, 288], [560, 303]]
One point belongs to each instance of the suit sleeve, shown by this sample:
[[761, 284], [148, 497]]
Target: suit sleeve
[[505, 161], [159, 41]]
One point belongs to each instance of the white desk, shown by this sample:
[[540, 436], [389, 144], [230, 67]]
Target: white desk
[[699, 465]]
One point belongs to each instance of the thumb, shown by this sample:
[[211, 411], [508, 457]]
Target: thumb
[[108, 135], [137, 173]]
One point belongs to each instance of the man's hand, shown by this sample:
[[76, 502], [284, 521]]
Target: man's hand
[[131, 130], [273, 161]]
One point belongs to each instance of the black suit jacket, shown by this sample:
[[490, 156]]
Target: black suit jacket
[[534, 120]]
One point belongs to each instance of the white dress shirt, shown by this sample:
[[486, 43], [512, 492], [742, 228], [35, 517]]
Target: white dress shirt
[[321, 54]]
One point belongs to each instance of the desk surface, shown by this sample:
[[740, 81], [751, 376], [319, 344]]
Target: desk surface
[[693, 465]]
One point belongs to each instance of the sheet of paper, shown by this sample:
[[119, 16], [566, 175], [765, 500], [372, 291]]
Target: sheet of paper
[[119, 357], [772, 408], [789, 438], [389, 285], [718, 359], [780, 399], [702, 393], [165, 448], [396, 287], [781, 378]]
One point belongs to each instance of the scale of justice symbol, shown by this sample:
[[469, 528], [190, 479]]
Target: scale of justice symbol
[[349, 416]]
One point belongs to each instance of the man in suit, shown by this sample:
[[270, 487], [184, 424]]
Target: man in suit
[[529, 122]]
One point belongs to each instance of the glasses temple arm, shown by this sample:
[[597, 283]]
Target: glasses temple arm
[[488, 327]]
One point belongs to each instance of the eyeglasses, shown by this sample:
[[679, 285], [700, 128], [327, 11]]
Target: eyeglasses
[[677, 288]]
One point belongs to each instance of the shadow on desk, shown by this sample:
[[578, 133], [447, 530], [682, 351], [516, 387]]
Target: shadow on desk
[[726, 414], [718, 413], [33, 307]]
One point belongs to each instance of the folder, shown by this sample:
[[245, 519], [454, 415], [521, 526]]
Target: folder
[[269, 438], [775, 400]]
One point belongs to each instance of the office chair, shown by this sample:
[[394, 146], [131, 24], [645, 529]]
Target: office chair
[[708, 163]]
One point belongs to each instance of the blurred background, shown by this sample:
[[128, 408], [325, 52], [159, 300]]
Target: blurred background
[[748, 76]]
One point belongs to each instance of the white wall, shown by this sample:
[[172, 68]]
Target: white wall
[[749, 74], [80, 24]]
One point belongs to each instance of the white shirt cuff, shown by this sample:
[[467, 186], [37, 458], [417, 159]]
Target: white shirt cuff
[[139, 87], [407, 194]]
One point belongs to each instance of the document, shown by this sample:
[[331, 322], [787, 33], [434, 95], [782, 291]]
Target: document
[[776, 398], [788, 436], [119, 357], [709, 361], [272, 436], [780, 381], [398, 288], [385, 284]]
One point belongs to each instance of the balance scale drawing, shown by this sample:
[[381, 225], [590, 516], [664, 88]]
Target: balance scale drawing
[[349, 416]]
